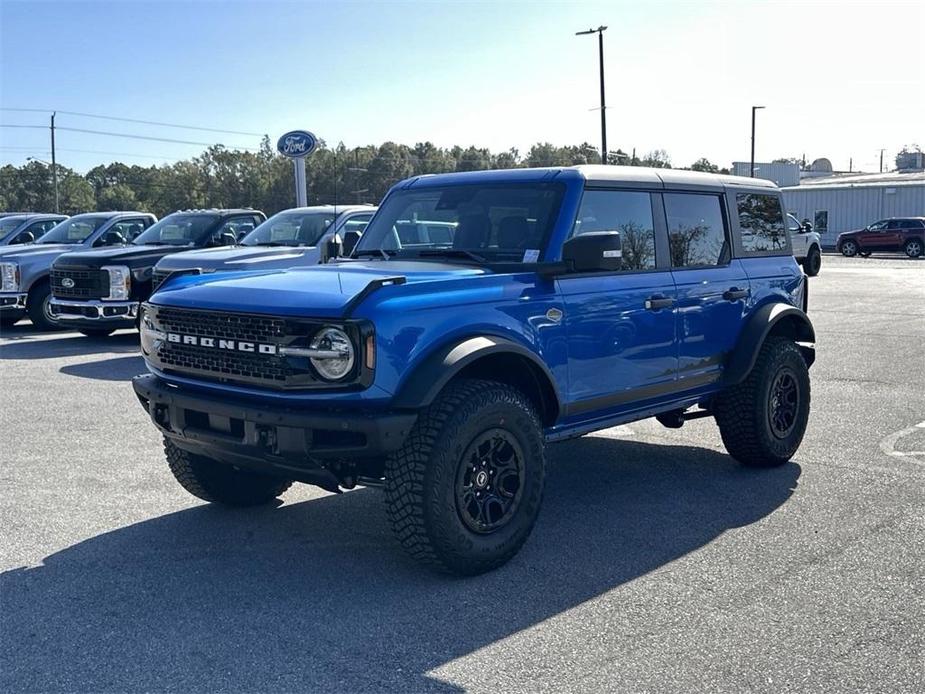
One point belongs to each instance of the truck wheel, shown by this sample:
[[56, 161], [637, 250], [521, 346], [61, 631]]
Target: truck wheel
[[849, 249], [95, 332], [913, 248], [812, 262], [38, 309], [221, 483], [762, 420], [464, 491]]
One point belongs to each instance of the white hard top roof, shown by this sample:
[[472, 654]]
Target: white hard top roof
[[667, 177]]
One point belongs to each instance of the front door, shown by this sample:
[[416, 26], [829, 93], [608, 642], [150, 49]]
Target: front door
[[620, 325], [712, 288]]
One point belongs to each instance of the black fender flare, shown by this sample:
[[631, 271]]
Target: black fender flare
[[777, 317], [437, 369]]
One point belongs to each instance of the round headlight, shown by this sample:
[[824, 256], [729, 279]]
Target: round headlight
[[339, 357]]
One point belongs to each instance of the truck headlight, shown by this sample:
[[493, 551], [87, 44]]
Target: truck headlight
[[332, 353], [9, 273], [120, 282]]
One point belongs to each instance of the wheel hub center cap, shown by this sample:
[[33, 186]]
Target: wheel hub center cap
[[481, 479]]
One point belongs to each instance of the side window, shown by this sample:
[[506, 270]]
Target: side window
[[239, 226], [630, 213], [357, 223], [129, 228], [895, 224], [696, 232], [821, 221], [761, 219], [879, 226]]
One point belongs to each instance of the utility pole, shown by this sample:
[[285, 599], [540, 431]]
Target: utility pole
[[751, 169], [881, 160], [54, 164], [600, 42]]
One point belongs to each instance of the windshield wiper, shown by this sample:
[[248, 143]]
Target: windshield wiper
[[453, 253], [384, 253]]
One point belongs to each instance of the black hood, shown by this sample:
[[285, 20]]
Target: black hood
[[134, 257]]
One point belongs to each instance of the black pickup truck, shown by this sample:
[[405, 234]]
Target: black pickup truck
[[98, 291]]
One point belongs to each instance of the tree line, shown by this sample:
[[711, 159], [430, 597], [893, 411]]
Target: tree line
[[220, 177]]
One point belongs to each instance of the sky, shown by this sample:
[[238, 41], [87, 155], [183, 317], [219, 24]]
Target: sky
[[838, 79]]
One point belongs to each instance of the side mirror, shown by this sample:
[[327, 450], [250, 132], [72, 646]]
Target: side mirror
[[226, 238], [24, 237], [113, 238], [332, 249], [596, 251], [351, 239]]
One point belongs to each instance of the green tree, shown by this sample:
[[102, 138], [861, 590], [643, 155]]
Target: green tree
[[703, 164], [657, 158], [116, 197]]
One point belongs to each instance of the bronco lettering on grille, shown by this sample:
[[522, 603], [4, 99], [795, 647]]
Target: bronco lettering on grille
[[234, 345]]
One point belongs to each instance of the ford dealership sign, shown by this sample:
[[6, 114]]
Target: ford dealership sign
[[297, 144]]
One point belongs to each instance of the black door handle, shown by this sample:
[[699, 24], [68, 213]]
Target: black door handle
[[657, 301], [734, 294]]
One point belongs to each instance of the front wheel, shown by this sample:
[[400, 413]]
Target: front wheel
[[812, 262], [464, 491], [39, 309], [762, 420], [221, 483], [913, 248], [849, 249]]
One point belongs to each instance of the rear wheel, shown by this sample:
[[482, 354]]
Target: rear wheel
[[913, 248], [812, 262], [762, 420], [96, 332], [37, 305], [849, 249], [221, 483], [464, 491]]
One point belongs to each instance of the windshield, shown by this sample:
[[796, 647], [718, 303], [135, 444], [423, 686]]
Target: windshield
[[74, 230], [492, 221], [291, 229], [177, 229]]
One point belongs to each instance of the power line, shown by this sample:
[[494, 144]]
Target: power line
[[134, 120], [140, 137]]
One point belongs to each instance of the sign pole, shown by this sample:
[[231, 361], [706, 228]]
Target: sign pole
[[301, 184]]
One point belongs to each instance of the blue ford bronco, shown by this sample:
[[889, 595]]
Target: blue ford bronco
[[526, 307]]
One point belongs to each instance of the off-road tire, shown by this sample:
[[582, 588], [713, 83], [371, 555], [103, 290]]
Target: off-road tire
[[422, 478], [221, 483], [849, 249], [96, 332], [812, 262], [913, 248], [743, 411], [37, 307]]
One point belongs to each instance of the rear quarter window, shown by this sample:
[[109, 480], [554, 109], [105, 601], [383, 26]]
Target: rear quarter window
[[761, 224]]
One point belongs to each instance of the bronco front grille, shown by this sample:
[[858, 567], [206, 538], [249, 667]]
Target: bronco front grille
[[222, 359], [87, 284]]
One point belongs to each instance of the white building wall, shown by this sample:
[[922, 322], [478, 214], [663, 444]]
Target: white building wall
[[854, 207]]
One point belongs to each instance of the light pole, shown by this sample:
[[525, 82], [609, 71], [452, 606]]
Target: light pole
[[600, 42], [54, 175], [751, 168]]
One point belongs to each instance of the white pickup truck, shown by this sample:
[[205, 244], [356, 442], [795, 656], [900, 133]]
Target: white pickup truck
[[806, 246]]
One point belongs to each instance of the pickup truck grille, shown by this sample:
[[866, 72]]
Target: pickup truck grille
[[157, 277], [222, 359], [88, 284]]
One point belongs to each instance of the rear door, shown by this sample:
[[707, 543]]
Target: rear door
[[892, 237], [621, 325], [712, 287]]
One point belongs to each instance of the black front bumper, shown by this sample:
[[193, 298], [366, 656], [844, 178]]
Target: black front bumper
[[293, 442]]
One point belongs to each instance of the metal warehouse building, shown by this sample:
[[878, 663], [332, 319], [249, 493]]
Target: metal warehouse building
[[844, 202]]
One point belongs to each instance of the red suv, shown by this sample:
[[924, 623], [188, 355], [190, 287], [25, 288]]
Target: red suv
[[905, 234]]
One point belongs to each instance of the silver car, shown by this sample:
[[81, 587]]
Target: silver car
[[24, 270], [27, 227]]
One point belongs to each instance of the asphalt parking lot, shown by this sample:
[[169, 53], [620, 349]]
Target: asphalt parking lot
[[657, 565]]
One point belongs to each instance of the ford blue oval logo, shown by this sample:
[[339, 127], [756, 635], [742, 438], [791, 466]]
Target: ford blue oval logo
[[298, 143]]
